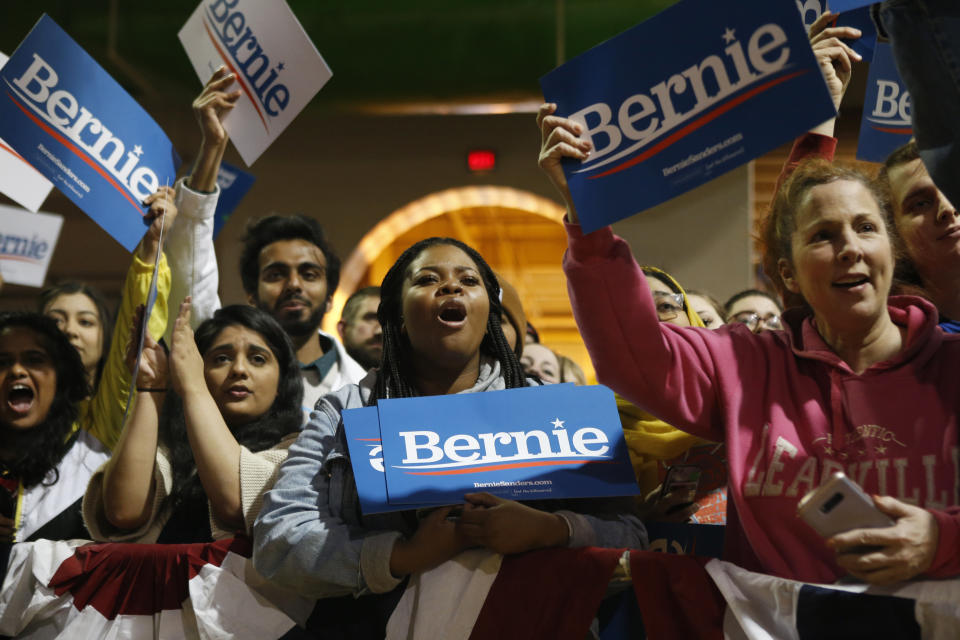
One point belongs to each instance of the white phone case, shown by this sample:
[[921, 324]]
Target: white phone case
[[840, 505]]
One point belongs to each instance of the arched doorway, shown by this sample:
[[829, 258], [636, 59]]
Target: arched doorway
[[517, 232]]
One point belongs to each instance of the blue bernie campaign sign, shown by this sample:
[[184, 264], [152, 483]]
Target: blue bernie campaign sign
[[523, 444], [673, 102], [886, 122], [811, 10], [860, 19], [362, 430], [234, 184], [69, 119]]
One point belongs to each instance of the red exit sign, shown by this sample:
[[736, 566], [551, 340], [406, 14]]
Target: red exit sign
[[481, 160]]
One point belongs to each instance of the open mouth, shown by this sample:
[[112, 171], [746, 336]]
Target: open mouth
[[20, 398], [850, 283], [453, 312]]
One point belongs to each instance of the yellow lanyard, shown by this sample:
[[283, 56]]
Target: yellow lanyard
[[19, 512]]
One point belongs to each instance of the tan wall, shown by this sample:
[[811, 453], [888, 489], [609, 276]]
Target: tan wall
[[351, 171], [701, 238]]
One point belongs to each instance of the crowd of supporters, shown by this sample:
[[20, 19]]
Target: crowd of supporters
[[228, 420]]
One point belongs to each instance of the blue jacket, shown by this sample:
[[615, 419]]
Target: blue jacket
[[311, 535]]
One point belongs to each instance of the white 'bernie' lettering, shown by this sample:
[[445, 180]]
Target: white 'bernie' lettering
[[61, 109]]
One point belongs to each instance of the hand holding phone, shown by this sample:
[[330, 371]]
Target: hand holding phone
[[840, 505], [681, 480]]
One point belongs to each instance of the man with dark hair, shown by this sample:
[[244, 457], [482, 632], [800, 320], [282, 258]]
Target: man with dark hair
[[288, 270], [928, 225], [359, 327], [286, 265]]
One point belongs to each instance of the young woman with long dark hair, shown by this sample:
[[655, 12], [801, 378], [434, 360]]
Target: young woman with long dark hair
[[43, 456], [194, 459]]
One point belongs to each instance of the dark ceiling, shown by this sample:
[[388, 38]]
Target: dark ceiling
[[379, 50]]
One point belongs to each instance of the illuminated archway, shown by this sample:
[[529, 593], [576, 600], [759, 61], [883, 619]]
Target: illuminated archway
[[419, 211]]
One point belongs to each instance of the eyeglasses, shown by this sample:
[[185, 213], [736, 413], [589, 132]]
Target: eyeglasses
[[756, 323], [669, 305]]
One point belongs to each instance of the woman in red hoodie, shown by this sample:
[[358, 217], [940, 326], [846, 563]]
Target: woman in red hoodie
[[856, 382]]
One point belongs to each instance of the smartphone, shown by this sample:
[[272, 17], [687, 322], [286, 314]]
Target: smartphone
[[682, 479], [840, 505]]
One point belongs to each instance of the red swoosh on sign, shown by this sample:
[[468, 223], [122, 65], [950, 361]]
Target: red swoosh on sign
[[236, 74], [696, 124], [903, 131], [499, 467], [83, 156], [20, 259]]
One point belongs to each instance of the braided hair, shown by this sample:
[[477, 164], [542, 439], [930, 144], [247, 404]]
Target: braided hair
[[394, 379]]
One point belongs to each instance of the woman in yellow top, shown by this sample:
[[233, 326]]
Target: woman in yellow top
[[83, 315]]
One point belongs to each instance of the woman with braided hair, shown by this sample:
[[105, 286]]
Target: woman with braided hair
[[440, 314]]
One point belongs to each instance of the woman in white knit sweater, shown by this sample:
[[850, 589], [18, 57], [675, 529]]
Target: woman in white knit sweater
[[193, 461]]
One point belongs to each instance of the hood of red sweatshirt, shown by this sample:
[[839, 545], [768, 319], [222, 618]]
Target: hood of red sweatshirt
[[918, 316]]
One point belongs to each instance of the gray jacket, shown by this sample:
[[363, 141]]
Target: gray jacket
[[311, 535]]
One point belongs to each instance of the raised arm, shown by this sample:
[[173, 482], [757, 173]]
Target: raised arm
[[559, 138], [836, 64], [193, 260], [103, 417], [215, 450], [836, 60], [210, 107], [128, 487], [669, 371]]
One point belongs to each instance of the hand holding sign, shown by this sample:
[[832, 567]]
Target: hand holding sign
[[213, 103], [436, 541], [835, 58], [506, 526], [275, 65], [160, 216], [559, 138], [665, 114], [833, 54], [152, 371], [210, 108]]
